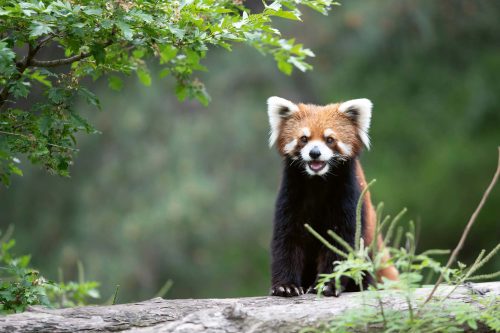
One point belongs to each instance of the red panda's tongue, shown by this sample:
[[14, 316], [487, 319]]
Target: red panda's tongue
[[316, 165]]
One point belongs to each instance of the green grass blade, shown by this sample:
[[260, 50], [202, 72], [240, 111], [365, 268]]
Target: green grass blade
[[324, 241], [357, 235]]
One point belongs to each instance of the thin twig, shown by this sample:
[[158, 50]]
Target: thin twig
[[30, 61], [44, 41], [65, 61], [25, 62], [115, 296], [472, 219], [59, 62]]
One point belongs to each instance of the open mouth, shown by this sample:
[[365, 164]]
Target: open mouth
[[316, 166]]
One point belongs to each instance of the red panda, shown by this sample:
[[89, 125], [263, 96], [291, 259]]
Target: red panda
[[321, 184]]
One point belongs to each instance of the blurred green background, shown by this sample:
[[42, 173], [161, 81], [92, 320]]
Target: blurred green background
[[177, 191]]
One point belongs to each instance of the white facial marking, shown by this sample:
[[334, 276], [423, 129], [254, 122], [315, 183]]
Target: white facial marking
[[326, 155], [326, 152], [290, 146], [345, 148], [277, 109], [329, 132], [363, 108], [306, 132]]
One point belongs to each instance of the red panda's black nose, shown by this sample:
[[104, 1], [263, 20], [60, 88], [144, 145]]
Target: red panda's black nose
[[315, 152]]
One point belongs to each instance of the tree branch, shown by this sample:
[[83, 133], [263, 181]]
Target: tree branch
[[472, 219], [249, 314], [59, 62], [32, 51], [29, 61], [64, 61], [22, 65]]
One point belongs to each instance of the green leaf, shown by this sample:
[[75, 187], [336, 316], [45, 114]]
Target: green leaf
[[164, 72], [90, 97], [20, 89], [81, 123], [144, 76], [275, 6], [472, 324], [56, 95], [167, 53], [39, 28], [6, 53], [36, 75], [139, 53], [126, 30], [203, 97], [285, 67], [181, 91], [302, 66], [115, 83], [44, 123], [98, 52], [93, 11], [15, 170], [286, 14], [94, 293]]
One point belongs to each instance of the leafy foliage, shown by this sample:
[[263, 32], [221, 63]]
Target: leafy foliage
[[22, 286], [435, 316], [103, 37], [452, 317]]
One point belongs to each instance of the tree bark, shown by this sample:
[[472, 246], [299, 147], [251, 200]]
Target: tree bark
[[250, 314]]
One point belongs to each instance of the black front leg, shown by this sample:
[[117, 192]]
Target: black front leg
[[287, 264], [326, 259], [326, 266]]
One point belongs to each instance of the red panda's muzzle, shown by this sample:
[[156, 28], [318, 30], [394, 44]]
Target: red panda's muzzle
[[317, 166]]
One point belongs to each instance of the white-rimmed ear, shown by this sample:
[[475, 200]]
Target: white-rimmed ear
[[278, 109], [360, 111]]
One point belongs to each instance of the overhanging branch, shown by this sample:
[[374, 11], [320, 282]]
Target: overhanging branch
[[59, 62], [64, 61], [30, 61]]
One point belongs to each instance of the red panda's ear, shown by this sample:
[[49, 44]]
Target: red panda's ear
[[278, 109], [360, 111]]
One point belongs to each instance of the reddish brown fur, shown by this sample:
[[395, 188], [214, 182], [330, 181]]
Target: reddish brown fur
[[317, 119], [370, 223]]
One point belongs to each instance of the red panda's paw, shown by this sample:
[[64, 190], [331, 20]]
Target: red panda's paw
[[327, 290], [390, 273], [286, 290]]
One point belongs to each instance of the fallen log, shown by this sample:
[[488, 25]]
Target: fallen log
[[249, 314]]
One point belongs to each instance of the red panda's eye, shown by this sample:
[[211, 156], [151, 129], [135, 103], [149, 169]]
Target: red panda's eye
[[330, 140], [303, 139]]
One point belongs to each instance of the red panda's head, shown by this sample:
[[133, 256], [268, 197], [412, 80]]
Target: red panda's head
[[319, 136]]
